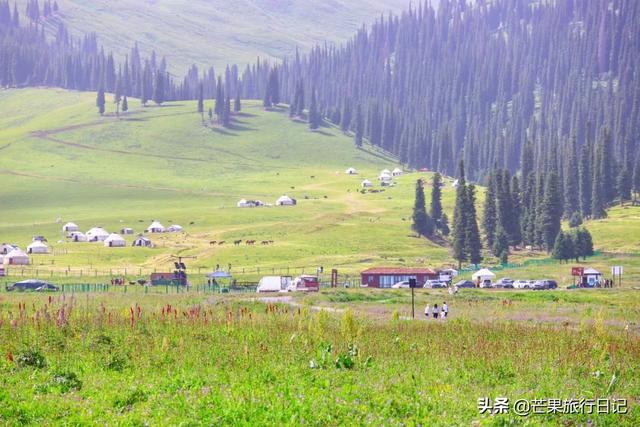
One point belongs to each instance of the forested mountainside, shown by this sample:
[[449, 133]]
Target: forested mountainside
[[478, 82]]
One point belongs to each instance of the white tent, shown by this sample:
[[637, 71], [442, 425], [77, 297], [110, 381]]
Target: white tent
[[351, 171], [16, 257], [175, 228], [77, 236], [70, 226], [37, 247], [385, 172], [5, 248], [366, 183], [126, 230], [483, 274], [285, 201], [242, 203], [385, 176], [155, 227], [142, 241], [115, 241], [396, 172], [1, 259], [97, 234]]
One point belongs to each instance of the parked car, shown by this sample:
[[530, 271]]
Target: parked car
[[434, 284], [402, 284], [523, 284], [274, 284], [32, 285], [550, 284], [505, 283], [465, 284], [304, 283], [486, 283]]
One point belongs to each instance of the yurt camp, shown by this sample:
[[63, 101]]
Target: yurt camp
[[37, 247], [115, 241], [97, 234], [69, 227]]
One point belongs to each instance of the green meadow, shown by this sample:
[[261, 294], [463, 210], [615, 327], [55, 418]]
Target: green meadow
[[60, 161]]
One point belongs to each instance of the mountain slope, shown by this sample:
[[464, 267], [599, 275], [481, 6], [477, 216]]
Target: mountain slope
[[218, 32]]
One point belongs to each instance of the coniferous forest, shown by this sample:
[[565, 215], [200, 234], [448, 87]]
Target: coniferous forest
[[517, 85]]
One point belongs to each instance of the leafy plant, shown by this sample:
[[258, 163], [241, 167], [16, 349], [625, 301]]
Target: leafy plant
[[31, 357]]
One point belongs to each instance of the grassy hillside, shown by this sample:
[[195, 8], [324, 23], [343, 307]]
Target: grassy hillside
[[60, 161], [219, 32]]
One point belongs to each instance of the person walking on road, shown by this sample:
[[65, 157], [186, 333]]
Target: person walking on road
[[426, 311], [445, 310]]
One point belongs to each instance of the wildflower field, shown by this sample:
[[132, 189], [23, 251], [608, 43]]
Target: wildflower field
[[192, 359]]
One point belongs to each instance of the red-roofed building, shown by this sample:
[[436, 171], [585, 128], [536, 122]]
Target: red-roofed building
[[385, 277]]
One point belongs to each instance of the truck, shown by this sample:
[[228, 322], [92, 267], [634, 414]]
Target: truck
[[304, 283], [274, 284]]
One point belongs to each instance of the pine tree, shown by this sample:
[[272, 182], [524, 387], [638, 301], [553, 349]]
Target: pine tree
[[489, 218], [473, 243], [516, 212], [624, 185], [210, 116], [158, 90], [551, 211], [563, 248], [117, 96], [585, 179], [359, 127], [125, 104], [636, 177], [100, 101], [436, 203], [500, 243], [201, 101], [583, 244], [226, 114], [219, 105], [314, 115], [237, 107], [571, 181], [345, 122], [422, 223], [459, 243], [597, 187]]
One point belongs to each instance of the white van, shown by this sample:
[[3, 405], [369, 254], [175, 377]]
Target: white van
[[274, 284]]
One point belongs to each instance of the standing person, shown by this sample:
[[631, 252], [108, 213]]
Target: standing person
[[435, 311], [445, 310], [426, 311]]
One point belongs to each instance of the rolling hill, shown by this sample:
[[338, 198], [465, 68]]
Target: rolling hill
[[218, 32], [60, 161]]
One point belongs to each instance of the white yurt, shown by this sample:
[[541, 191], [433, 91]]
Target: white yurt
[[384, 177], [115, 241], [142, 242], [175, 228], [366, 183], [396, 172], [156, 227], [351, 171], [242, 203], [285, 201], [5, 248], [385, 172], [97, 234], [16, 257], [126, 230], [70, 226], [77, 236], [37, 247]]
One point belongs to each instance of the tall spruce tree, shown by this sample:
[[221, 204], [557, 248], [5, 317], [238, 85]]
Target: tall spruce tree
[[585, 180], [551, 213], [459, 242], [237, 106], [100, 101], [436, 205], [219, 105], [583, 244], [125, 104], [359, 127], [473, 242], [158, 89], [314, 115], [516, 212], [636, 178], [490, 214], [571, 181], [201, 101], [422, 223], [598, 197]]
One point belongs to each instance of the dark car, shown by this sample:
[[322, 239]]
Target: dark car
[[465, 284], [549, 284], [32, 285]]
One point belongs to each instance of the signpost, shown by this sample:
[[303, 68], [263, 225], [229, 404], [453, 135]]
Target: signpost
[[577, 272], [617, 270]]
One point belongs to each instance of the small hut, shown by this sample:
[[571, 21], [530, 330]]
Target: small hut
[[77, 237], [115, 241], [396, 172], [351, 171], [175, 228], [97, 234], [366, 184], [16, 257], [69, 227], [126, 231], [285, 201], [5, 248], [155, 227], [37, 247], [142, 241]]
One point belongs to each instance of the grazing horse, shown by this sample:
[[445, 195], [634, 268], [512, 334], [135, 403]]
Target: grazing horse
[[212, 243], [237, 242], [221, 242], [250, 242], [264, 242]]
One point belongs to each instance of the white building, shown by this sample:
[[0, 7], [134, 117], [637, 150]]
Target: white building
[[70, 226], [97, 234], [115, 241], [366, 184], [175, 228], [37, 247], [155, 227], [396, 172], [142, 241], [351, 171], [285, 201], [77, 236], [16, 257]]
